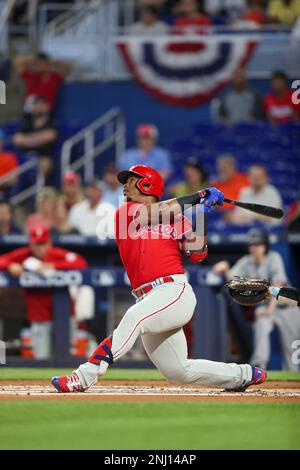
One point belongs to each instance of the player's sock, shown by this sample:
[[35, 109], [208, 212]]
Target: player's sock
[[97, 364], [103, 356]]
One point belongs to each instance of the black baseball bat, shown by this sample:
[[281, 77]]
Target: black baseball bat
[[257, 208]]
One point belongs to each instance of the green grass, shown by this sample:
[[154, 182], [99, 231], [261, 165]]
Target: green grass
[[280, 376], [7, 373], [90, 425], [97, 425]]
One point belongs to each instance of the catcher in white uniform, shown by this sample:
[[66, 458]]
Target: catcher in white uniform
[[267, 264], [152, 237]]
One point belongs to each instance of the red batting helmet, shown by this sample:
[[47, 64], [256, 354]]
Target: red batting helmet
[[150, 182]]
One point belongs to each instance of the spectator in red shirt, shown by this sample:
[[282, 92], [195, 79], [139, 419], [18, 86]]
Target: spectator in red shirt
[[42, 77], [42, 258], [255, 12], [230, 181], [278, 104], [191, 20]]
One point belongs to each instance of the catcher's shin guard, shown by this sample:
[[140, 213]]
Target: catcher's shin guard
[[102, 353]]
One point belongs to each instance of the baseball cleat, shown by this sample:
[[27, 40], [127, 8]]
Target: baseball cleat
[[258, 377], [67, 383]]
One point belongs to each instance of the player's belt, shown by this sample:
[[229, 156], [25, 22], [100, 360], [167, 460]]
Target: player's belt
[[146, 288]]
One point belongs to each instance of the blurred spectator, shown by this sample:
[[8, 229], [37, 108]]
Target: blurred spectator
[[255, 12], [260, 191], [46, 203], [149, 23], [42, 77], [147, 152], [230, 181], [195, 178], [263, 263], [42, 258], [7, 225], [113, 191], [62, 224], [241, 103], [166, 8], [227, 11], [192, 19], [284, 11], [89, 216], [38, 135], [159, 4], [293, 216], [278, 105], [8, 163], [24, 11], [71, 189]]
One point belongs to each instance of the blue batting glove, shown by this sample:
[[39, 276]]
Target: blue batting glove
[[214, 197]]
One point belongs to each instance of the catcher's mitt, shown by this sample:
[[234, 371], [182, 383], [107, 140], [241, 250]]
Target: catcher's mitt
[[245, 291]]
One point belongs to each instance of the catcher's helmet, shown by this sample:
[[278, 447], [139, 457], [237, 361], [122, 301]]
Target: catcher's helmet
[[150, 182], [257, 236]]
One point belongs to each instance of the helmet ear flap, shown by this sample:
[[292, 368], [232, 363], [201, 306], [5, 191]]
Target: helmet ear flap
[[138, 185], [143, 186], [150, 182]]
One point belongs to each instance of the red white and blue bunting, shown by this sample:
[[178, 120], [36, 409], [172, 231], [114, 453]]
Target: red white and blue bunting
[[185, 71]]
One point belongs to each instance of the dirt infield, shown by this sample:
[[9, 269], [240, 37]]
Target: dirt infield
[[152, 391]]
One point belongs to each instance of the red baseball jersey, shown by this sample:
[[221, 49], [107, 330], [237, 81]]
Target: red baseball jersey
[[44, 85], [151, 251], [39, 302], [281, 110]]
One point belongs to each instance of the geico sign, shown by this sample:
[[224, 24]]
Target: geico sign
[[59, 279]]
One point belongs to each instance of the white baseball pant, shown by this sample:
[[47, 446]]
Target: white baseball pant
[[41, 333], [287, 320], [41, 339], [159, 317]]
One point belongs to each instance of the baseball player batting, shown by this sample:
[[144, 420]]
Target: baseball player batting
[[151, 248]]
